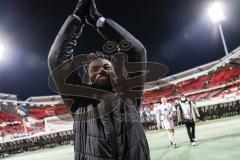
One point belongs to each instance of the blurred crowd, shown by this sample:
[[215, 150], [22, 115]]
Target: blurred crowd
[[36, 143]]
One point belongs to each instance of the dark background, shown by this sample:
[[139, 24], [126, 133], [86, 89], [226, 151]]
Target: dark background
[[177, 33]]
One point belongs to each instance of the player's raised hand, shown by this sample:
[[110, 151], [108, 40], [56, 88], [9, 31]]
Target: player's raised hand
[[93, 14], [82, 9]]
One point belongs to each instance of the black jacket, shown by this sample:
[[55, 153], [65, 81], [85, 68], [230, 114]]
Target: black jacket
[[117, 134]]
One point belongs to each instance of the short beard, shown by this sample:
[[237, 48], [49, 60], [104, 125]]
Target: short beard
[[106, 87]]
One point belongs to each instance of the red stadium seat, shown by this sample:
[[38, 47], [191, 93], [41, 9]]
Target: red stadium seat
[[43, 112]]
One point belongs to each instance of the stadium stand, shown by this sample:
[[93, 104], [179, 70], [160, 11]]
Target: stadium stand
[[43, 112], [7, 117], [225, 77]]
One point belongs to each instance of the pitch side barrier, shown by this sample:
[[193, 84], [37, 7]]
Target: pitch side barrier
[[35, 135], [216, 101]]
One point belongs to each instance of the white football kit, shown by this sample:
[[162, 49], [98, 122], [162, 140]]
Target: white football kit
[[165, 113]]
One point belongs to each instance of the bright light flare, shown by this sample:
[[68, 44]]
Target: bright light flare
[[216, 12], [2, 49]]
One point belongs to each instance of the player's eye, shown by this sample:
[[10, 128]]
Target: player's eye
[[94, 69], [106, 66]]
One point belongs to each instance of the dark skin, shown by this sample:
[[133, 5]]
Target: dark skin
[[100, 71]]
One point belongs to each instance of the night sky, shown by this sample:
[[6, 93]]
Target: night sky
[[177, 33]]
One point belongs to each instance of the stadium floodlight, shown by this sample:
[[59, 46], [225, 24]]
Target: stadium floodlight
[[216, 12], [217, 15], [1, 51]]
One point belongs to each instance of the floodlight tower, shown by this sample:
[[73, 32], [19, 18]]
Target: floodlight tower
[[217, 15]]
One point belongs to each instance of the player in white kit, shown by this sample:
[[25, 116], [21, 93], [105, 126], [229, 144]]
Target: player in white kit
[[157, 117], [165, 111]]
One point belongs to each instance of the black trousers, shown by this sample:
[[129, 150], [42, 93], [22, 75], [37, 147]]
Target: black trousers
[[190, 125]]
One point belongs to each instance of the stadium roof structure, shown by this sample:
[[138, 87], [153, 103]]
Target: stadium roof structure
[[44, 98], [32, 101], [232, 58], [8, 96]]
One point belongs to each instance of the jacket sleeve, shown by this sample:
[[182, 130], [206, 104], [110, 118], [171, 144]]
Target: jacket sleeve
[[179, 116], [65, 42], [62, 51], [195, 109]]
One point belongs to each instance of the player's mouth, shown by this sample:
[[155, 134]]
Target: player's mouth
[[101, 77]]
